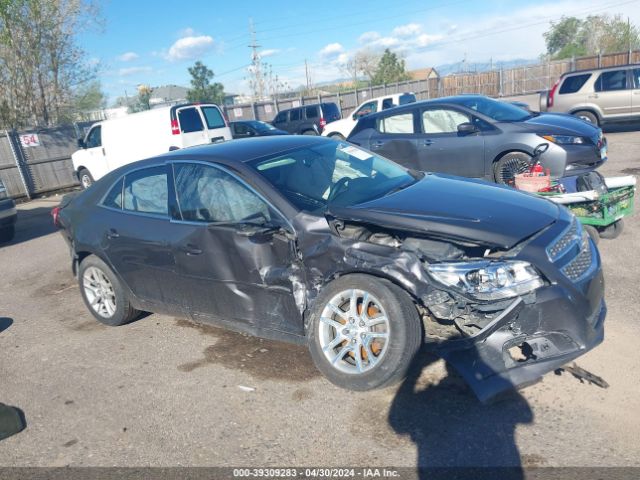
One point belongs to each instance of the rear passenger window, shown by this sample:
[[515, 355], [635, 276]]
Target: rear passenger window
[[190, 120], [400, 123], [213, 117], [114, 197], [294, 115], [636, 77], [387, 103], [610, 81], [311, 112], [574, 83], [146, 191]]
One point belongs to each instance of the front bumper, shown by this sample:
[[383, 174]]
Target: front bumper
[[8, 213], [545, 329]]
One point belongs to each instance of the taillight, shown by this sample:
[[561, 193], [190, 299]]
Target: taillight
[[55, 213], [323, 123], [552, 93], [175, 129]]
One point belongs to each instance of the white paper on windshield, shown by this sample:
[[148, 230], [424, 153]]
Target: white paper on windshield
[[356, 152]]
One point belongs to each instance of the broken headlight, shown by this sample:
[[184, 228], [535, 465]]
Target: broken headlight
[[488, 280]]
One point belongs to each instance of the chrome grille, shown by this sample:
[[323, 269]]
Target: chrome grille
[[568, 238], [577, 267]]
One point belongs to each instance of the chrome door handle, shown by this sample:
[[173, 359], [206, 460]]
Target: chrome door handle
[[112, 233], [377, 144], [427, 142]]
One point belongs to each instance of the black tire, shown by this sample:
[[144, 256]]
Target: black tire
[[124, 312], [85, 178], [310, 132], [612, 231], [404, 334], [337, 136], [593, 233], [7, 233], [587, 116], [510, 164]]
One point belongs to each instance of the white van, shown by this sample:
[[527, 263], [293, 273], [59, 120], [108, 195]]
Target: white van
[[113, 143]]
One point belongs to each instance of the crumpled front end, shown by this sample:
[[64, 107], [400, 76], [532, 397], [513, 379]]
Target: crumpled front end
[[511, 343]]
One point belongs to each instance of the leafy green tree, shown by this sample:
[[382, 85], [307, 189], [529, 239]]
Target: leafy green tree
[[574, 37], [202, 90], [390, 69], [41, 62], [143, 101], [89, 97]]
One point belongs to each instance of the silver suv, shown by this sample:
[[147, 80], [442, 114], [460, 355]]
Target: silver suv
[[597, 96]]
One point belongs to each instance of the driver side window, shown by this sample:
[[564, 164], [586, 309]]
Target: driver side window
[[94, 139], [207, 194]]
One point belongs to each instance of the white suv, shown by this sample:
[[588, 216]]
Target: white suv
[[340, 129]]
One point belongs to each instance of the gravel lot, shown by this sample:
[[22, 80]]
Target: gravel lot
[[164, 391]]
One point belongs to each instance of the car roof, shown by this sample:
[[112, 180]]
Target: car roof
[[246, 149], [600, 69], [453, 100]]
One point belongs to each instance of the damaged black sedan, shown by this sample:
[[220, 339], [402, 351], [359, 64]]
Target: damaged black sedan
[[320, 242]]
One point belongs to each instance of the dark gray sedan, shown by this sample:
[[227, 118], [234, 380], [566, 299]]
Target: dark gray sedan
[[313, 241], [479, 137]]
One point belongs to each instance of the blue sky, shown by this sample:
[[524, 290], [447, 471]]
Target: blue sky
[[153, 42]]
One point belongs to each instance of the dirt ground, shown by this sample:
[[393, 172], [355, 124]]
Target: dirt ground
[[164, 391]]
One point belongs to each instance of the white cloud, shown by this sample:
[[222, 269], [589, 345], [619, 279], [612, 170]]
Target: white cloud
[[408, 30], [367, 37], [190, 48], [125, 72], [270, 52], [128, 56], [331, 50]]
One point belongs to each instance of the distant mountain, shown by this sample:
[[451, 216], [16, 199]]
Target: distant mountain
[[462, 67]]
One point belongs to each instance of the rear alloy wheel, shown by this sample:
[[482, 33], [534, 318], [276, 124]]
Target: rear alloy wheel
[[364, 332], [309, 132], [511, 164], [587, 117], [86, 180], [103, 293], [337, 136]]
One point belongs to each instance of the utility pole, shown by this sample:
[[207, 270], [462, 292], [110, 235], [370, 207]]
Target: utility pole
[[306, 72], [258, 82]]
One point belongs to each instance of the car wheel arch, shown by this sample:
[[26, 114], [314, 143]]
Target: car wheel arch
[[394, 279], [591, 110]]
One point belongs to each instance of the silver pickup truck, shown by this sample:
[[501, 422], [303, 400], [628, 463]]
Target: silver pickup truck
[[8, 216]]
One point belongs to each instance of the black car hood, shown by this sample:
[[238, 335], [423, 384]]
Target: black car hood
[[560, 124], [457, 208]]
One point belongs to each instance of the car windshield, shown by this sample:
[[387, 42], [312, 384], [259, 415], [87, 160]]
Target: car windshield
[[499, 111], [261, 126], [333, 173]]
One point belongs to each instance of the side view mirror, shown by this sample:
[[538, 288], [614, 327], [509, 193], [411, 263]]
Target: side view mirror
[[467, 128], [354, 116], [540, 149], [81, 143]]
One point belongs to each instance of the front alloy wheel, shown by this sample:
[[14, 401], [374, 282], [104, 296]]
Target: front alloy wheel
[[354, 331], [364, 332]]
